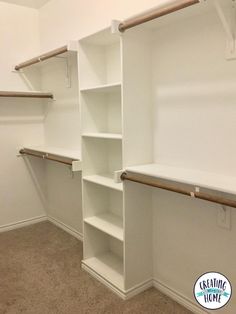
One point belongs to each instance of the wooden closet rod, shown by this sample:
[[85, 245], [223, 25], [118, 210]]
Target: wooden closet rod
[[42, 57], [26, 94], [202, 196], [63, 160], [143, 18]]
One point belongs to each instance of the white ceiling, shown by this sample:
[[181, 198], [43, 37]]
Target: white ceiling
[[28, 3]]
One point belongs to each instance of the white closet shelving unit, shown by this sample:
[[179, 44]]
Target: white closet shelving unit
[[206, 180], [116, 97], [106, 108], [101, 105]]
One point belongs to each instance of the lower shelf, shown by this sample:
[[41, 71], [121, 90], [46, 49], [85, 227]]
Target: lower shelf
[[105, 180], [111, 136], [109, 266], [108, 223]]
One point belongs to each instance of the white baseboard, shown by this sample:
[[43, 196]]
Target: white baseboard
[[66, 228], [124, 294], [106, 283], [34, 220], [23, 223], [130, 293], [127, 294], [178, 297]]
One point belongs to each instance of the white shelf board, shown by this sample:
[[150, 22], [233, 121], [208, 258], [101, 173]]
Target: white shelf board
[[203, 7], [113, 136], [106, 180], [107, 88], [208, 180], [108, 223], [109, 266], [73, 154]]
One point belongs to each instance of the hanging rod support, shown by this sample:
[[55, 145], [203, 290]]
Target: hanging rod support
[[155, 13], [163, 186]]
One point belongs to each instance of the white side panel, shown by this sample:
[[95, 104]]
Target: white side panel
[[138, 234], [137, 102]]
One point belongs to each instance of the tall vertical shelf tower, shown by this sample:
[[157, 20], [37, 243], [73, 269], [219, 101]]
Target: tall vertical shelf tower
[[113, 113]]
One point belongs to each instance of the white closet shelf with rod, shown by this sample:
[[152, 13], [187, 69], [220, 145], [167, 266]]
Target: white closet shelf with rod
[[154, 174], [70, 47], [155, 13], [10, 94], [67, 157]]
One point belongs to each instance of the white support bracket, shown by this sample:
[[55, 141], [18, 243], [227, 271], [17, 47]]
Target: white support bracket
[[117, 176], [76, 165], [229, 28], [67, 70], [115, 27]]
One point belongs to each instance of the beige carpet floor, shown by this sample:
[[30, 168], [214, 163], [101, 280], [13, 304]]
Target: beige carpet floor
[[40, 273]]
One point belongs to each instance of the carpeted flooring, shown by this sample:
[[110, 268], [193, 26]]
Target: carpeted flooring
[[40, 273]]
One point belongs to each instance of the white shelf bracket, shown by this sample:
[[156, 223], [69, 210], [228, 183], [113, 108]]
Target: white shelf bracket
[[76, 165], [67, 70], [229, 28]]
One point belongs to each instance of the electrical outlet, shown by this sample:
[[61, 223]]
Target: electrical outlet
[[224, 217]]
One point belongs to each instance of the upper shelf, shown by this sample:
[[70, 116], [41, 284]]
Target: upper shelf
[[72, 46], [170, 12], [26, 94], [208, 180], [156, 13]]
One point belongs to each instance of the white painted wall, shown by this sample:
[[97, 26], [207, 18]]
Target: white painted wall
[[18, 27], [28, 3], [62, 130], [61, 20], [195, 121], [22, 192]]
